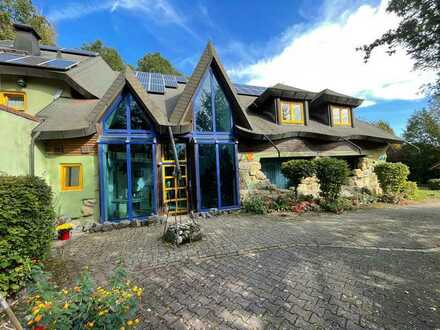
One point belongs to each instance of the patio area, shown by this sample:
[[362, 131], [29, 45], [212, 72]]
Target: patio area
[[375, 268]]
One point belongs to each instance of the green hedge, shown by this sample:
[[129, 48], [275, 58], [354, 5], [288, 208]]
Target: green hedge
[[296, 170], [332, 174], [393, 178], [26, 228]]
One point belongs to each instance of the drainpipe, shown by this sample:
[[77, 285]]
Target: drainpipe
[[353, 144], [176, 157], [273, 144], [412, 145], [32, 154]]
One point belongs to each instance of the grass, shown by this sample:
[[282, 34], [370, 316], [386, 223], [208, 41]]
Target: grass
[[425, 194]]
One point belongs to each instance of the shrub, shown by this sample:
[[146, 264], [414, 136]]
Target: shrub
[[255, 204], [84, 306], [392, 178], [296, 170], [434, 184], [410, 189], [26, 228], [332, 173], [338, 205]]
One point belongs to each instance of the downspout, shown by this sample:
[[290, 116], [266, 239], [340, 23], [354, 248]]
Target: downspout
[[353, 144], [176, 157], [412, 145], [32, 154], [273, 145]]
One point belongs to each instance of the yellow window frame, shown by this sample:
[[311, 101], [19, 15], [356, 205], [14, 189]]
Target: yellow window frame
[[4, 99], [63, 172], [340, 109], [291, 105]]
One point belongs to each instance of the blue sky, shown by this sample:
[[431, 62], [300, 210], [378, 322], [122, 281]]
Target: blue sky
[[306, 44]]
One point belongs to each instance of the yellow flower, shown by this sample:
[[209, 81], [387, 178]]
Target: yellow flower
[[35, 311], [66, 306], [64, 226], [136, 321], [129, 322], [65, 291], [122, 328], [90, 324], [77, 289], [38, 318], [30, 322], [103, 312]]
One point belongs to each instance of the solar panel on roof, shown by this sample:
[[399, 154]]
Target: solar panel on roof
[[59, 64], [156, 84], [170, 81], [29, 60], [249, 90], [144, 78], [73, 51], [4, 57]]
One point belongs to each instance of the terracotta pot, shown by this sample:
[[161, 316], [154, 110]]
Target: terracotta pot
[[64, 235]]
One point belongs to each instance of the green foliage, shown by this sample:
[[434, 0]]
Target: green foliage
[[296, 170], [393, 180], [338, 205], [410, 190], [255, 204], [418, 32], [110, 55], [23, 11], [434, 184], [332, 173], [384, 125], [84, 306], [26, 228], [154, 62]]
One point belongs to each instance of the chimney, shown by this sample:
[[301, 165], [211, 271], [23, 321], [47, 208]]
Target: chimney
[[26, 39]]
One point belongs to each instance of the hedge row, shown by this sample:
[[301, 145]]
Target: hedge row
[[26, 228]]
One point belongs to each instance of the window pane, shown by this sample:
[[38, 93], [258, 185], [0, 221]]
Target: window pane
[[167, 151], [116, 183], [208, 178], [336, 115], [285, 112], [203, 107], [222, 109], [297, 112], [72, 176], [227, 174], [139, 118], [118, 119], [15, 101], [345, 118], [141, 179]]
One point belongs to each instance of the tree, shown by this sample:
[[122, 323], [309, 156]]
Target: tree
[[423, 132], [23, 11], [418, 32], [384, 125], [110, 55], [154, 62]]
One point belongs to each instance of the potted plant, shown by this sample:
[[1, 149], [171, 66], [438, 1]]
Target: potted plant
[[64, 231]]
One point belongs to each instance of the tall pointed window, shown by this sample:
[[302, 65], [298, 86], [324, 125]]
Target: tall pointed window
[[212, 111]]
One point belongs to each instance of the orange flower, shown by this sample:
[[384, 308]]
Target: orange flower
[[77, 289], [38, 318]]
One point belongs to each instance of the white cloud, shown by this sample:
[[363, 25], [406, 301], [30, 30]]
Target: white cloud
[[367, 103], [325, 56]]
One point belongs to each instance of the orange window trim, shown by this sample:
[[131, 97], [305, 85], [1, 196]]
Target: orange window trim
[[4, 99], [63, 170], [340, 110], [291, 105]]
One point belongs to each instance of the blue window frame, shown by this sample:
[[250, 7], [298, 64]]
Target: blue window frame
[[127, 155]]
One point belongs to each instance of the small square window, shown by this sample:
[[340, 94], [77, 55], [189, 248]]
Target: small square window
[[292, 112], [14, 100], [71, 177]]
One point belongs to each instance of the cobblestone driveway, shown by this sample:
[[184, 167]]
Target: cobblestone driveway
[[377, 268]]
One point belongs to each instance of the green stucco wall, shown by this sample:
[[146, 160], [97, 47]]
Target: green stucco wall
[[15, 139], [40, 92], [70, 202]]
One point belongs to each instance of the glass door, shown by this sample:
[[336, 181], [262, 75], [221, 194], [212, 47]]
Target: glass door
[[175, 191]]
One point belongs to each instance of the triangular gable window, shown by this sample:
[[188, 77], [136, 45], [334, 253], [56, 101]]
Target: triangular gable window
[[127, 115], [212, 110]]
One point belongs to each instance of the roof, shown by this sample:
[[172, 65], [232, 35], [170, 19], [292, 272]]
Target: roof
[[18, 113], [329, 96], [315, 129]]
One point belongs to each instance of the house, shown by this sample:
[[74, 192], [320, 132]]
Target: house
[[110, 143]]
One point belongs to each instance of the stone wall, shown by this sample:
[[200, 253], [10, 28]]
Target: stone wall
[[252, 178]]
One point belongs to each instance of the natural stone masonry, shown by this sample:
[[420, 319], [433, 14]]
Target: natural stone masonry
[[377, 268]]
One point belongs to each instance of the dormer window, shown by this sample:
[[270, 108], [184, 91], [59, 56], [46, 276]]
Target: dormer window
[[341, 115], [291, 112]]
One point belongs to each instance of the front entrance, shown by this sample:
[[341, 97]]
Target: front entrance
[[175, 191]]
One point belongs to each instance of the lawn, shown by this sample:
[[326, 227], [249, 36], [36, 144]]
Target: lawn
[[426, 194]]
